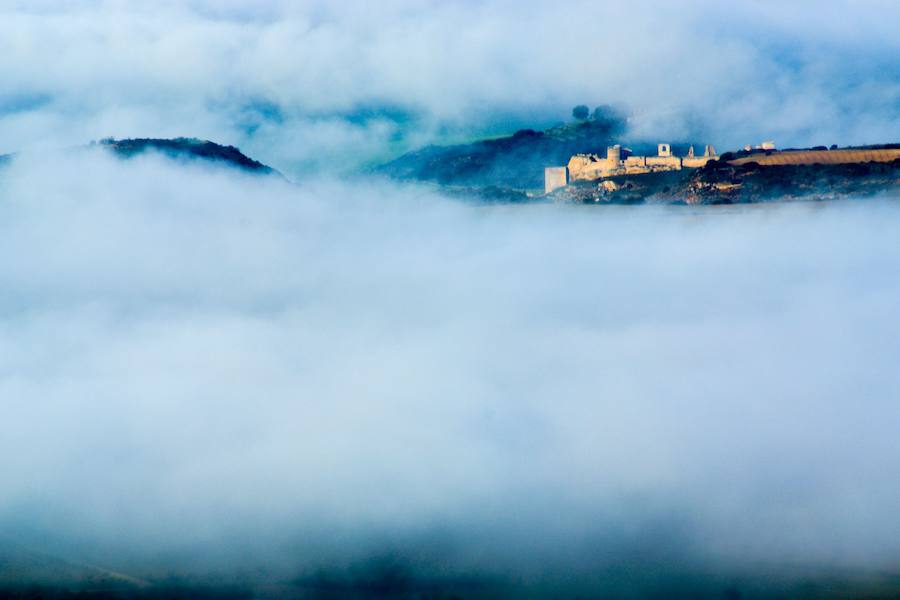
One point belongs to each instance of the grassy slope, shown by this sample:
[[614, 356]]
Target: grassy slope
[[515, 161]]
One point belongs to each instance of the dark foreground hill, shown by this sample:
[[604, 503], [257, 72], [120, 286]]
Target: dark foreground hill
[[30, 576], [188, 149], [24, 571], [515, 162]]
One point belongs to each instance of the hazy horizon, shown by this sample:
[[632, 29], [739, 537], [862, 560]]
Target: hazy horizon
[[309, 87]]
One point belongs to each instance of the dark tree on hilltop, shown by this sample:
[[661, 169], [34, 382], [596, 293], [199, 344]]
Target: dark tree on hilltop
[[604, 112], [581, 112]]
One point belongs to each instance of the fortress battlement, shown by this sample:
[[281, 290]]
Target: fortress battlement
[[620, 161]]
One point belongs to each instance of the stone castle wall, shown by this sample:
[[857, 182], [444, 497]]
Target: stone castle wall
[[589, 167]]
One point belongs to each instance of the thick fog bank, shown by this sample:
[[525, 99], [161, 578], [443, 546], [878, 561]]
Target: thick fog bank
[[201, 370]]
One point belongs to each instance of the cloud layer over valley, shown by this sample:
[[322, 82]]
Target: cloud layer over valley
[[199, 368], [210, 373]]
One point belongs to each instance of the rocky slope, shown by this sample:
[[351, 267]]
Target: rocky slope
[[723, 183]]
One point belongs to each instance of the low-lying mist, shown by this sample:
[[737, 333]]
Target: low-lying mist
[[206, 372]]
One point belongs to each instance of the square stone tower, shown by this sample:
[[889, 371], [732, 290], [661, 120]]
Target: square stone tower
[[555, 178], [613, 155]]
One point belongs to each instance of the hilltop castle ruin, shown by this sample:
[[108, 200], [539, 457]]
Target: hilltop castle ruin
[[620, 161]]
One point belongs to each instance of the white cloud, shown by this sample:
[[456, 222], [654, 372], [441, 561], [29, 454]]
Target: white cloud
[[190, 357], [802, 74], [203, 367]]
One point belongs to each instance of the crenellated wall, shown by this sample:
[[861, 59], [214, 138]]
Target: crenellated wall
[[588, 167]]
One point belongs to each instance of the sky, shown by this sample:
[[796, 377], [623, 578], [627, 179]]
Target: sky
[[204, 371], [312, 86]]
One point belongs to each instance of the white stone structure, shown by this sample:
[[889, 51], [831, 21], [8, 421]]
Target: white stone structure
[[555, 178], [619, 161]]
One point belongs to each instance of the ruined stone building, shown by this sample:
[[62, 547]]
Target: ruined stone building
[[555, 178], [620, 161]]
